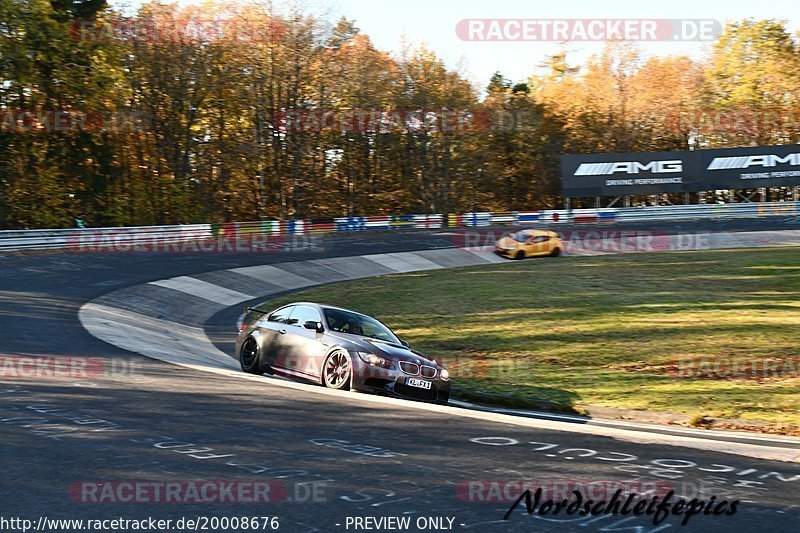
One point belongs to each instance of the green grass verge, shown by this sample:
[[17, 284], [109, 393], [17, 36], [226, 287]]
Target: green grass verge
[[660, 332]]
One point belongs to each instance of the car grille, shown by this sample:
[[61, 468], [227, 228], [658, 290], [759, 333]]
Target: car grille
[[428, 371], [411, 369], [416, 393]]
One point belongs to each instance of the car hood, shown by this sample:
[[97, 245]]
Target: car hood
[[507, 242], [384, 349]]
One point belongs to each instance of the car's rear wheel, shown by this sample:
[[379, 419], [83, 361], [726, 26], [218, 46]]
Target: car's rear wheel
[[556, 252], [250, 357], [337, 371]]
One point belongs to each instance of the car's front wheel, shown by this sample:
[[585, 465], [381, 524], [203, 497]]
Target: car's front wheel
[[337, 371], [250, 356]]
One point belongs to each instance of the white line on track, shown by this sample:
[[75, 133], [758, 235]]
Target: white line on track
[[203, 289]]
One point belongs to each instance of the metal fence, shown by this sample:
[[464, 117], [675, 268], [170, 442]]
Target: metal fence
[[15, 240]]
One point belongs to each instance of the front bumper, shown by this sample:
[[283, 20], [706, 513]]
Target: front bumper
[[504, 252], [394, 382]]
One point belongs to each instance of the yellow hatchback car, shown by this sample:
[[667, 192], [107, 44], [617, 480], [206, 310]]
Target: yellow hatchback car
[[529, 243]]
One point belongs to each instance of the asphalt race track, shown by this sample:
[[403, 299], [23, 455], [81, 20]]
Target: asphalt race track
[[329, 458]]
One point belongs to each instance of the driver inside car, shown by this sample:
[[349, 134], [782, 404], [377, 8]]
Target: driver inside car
[[353, 329]]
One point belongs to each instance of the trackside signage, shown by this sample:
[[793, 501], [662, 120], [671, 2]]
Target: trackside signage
[[686, 171]]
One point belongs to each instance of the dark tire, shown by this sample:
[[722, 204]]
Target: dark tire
[[250, 356], [337, 372], [519, 255], [556, 252]]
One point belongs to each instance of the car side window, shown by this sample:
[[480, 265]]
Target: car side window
[[303, 313], [540, 238], [281, 315], [371, 331]]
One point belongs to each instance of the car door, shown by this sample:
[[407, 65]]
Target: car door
[[300, 351], [268, 328], [538, 245]]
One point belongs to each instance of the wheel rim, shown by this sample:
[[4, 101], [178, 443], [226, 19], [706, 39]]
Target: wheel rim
[[249, 352], [337, 370]]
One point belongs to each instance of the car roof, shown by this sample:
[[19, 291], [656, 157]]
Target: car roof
[[321, 306], [538, 232]]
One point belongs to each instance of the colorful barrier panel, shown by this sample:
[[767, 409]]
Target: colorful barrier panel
[[427, 221], [401, 221], [606, 215], [503, 217], [585, 216], [787, 209], [528, 216], [377, 223], [322, 225], [65, 238]]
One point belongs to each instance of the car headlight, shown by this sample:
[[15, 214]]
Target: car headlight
[[444, 374], [373, 359]]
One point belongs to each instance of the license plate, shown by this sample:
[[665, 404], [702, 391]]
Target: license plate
[[421, 383]]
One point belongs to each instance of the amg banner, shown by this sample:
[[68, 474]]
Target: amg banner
[[689, 171]]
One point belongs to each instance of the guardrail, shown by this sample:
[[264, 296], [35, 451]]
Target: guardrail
[[15, 240], [52, 239]]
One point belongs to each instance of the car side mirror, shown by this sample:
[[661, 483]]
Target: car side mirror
[[404, 343], [313, 324]]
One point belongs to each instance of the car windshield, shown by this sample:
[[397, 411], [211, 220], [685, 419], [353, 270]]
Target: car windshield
[[520, 236], [356, 324]]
